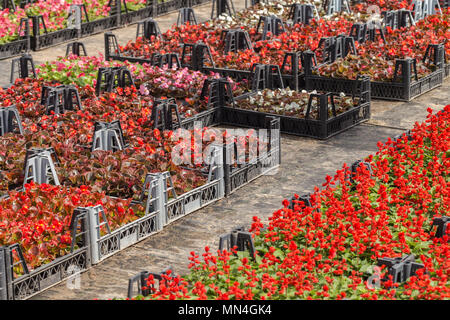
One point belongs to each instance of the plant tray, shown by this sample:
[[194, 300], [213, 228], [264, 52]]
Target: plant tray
[[322, 128], [396, 91]]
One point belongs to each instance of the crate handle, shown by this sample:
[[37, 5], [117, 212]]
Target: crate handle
[[11, 264], [333, 105], [79, 220], [434, 53]]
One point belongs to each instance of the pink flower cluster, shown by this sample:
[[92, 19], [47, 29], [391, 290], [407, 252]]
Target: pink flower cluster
[[54, 12]]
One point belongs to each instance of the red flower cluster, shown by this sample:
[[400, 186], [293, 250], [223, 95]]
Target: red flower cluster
[[39, 218]]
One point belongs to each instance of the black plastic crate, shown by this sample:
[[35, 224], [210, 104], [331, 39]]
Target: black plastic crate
[[293, 79], [97, 26], [322, 128], [208, 118], [112, 51], [14, 48], [238, 175], [409, 86], [48, 275], [131, 17], [49, 39], [314, 128], [446, 70]]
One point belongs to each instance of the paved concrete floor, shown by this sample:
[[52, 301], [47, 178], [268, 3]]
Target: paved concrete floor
[[305, 163]]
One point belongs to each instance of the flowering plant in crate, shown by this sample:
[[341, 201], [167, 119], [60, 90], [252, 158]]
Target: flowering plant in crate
[[377, 68], [54, 12], [38, 218], [293, 103], [377, 58], [78, 70], [9, 29], [82, 71], [185, 86]]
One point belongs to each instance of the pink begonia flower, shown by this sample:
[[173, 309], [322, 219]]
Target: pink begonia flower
[[389, 70], [143, 90], [54, 13], [60, 66]]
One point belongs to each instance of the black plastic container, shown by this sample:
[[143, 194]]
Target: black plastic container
[[322, 128], [47, 275], [409, 86]]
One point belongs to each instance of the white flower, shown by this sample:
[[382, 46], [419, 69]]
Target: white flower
[[342, 94], [294, 105]]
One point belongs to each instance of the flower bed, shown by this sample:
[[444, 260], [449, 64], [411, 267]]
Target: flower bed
[[328, 250]]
